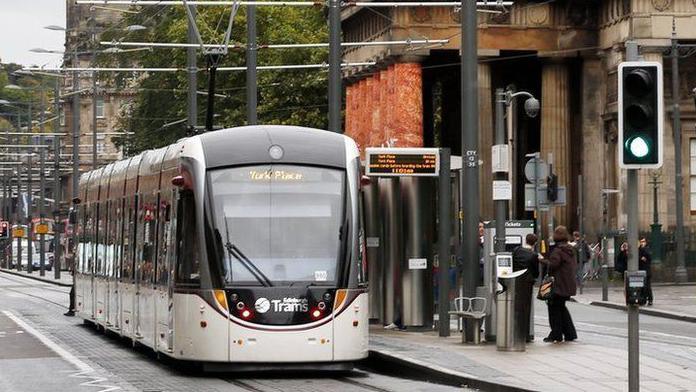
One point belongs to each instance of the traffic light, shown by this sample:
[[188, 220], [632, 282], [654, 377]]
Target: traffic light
[[4, 229], [640, 115], [552, 187]]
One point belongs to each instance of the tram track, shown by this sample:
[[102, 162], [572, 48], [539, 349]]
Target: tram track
[[249, 385], [15, 290]]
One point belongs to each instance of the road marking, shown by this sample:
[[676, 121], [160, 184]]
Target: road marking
[[78, 363]]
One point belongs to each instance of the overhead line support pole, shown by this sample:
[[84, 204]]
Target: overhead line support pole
[[251, 53], [56, 184], [192, 70], [334, 66], [680, 274], [469, 192]]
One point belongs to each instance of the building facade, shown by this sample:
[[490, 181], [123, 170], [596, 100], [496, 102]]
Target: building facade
[[565, 53], [84, 25]]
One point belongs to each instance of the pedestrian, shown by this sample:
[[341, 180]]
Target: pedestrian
[[622, 259], [524, 257], [561, 266], [645, 264]]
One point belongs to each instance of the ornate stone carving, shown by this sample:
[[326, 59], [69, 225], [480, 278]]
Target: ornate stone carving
[[662, 5], [538, 14], [420, 14]]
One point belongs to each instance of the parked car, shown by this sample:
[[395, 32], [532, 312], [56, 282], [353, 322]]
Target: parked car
[[36, 257]]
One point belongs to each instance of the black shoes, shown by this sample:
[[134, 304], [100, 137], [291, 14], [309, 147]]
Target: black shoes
[[550, 340], [69, 313], [649, 303]]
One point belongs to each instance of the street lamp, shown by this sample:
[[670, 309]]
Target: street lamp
[[503, 100]]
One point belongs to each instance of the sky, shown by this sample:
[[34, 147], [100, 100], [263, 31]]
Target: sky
[[21, 29]]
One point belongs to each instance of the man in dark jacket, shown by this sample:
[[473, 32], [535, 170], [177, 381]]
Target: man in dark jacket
[[562, 266], [644, 264], [524, 257]]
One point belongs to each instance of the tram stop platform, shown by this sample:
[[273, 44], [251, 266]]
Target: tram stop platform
[[596, 362], [66, 279]]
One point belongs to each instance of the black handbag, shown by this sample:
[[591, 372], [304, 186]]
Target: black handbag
[[546, 288]]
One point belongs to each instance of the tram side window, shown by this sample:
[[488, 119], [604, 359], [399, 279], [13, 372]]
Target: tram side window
[[88, 240], [164, 238], [149, 224], [128, 235], [188, 261], [100, 219], [117, 236]]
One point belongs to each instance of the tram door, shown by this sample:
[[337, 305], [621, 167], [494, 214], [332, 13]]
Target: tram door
[[165, 266]]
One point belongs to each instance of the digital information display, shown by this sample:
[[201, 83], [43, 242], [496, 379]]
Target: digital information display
[[418, 162]]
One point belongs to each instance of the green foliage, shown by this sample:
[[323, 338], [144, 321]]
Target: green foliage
[[297, 97], [19, 99]]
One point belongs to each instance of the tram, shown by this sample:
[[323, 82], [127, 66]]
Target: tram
[[240, 248]]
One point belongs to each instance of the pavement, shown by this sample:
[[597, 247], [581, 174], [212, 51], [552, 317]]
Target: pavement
[[596, 362], [66, 279], [676, 301]]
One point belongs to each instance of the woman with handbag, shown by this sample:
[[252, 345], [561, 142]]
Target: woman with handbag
[[561, 265]]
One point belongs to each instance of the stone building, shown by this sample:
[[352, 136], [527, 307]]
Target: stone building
[[84, 24], [566, 53]]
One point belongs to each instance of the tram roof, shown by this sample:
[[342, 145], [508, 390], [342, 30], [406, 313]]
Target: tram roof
[[251, 144]]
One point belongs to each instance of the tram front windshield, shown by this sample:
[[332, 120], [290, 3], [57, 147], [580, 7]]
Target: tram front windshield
[[279, 224]]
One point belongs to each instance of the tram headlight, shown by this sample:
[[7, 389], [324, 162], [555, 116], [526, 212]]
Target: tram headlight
[[316, 313], [246, 313], [221, 299]]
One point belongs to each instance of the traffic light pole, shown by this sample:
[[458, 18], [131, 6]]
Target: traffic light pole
[[632, 234]]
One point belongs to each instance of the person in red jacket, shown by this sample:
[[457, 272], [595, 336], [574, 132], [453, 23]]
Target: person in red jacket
[[562, 266]]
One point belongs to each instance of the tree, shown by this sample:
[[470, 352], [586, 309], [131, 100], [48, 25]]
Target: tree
[[297, 97]]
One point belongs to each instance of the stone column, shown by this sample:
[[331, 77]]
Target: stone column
[[366, 115], [666, 194], [389, 134], [376, 131], [593, 142], [383, 107], [485, 139], [408, 105], [555, 129], [350, 115]]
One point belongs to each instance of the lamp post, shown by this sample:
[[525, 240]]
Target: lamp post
[[504, 99]]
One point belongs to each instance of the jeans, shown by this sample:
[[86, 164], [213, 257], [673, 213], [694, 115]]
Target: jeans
[[559, 319]]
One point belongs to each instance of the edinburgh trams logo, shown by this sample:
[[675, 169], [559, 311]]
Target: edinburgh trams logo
[[286, 304]]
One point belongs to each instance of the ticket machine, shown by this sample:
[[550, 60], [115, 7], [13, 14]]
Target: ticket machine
[[515, 233]]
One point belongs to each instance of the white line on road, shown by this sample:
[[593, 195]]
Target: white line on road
[[84, 370], [78, 363]]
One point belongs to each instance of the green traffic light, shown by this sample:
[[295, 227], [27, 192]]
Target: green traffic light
[[638, 147]]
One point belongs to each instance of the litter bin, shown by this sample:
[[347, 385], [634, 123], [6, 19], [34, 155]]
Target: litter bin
[[510, 333]]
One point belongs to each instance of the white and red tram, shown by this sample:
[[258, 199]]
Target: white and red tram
[[239, 248]]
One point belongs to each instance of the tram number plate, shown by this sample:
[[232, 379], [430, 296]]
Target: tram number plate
[[402, 162], [417, 263]]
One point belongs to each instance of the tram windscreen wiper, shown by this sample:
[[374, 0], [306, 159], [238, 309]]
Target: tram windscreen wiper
[[243, 260]]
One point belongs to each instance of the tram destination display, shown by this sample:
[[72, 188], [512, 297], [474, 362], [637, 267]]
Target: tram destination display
[[392, 162]]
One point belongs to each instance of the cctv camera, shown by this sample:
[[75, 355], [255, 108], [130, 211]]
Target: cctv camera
[[531, 107]]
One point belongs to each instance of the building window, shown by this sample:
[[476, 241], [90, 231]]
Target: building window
[[692, 175], [100, 107], [101, 144], [61, 117]]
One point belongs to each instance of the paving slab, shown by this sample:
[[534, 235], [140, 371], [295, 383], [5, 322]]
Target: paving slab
[[591, 364]]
